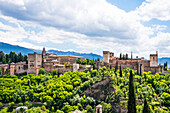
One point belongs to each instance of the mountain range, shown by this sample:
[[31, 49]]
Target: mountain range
[[7, 48]]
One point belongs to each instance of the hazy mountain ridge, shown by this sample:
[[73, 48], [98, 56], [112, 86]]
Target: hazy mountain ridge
[[85, 55], [7, 48]]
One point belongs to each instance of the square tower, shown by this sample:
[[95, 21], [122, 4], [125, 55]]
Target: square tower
[[154, 60], [34, 63], [106, 56]]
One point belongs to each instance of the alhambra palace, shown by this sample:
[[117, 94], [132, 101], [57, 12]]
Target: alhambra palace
[[52, 61]]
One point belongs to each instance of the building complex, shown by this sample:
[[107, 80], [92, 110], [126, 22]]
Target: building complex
[[52, 61]]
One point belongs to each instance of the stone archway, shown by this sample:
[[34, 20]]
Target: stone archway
[[98, 109]]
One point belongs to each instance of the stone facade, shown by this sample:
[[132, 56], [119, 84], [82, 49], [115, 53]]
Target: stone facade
[[52, 61], [48, 61], [34, 63], [4, 68], [138, 64]]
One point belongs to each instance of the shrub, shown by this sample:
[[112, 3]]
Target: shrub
[[29, 105], [10, 107], [58, 111], [43, 108], [20, 104], [54, 72], [89, 109], [42, 71], [1, 105]]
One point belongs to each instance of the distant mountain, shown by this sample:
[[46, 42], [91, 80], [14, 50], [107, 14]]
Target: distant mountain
[[163, 60], [7, 48], [85, 55]]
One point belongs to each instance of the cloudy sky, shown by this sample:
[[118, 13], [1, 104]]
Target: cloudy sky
[[141, 26]]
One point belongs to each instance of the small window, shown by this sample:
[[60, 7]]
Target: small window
[[153, 58], [19, 67]]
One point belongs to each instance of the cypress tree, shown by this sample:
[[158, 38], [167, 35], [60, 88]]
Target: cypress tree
[[126, 56], [116, 66], [132, 99], [146, 108], [131, 56], [120, 71], [120, 56]]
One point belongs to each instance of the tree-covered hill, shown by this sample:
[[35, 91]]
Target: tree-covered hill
[[64, 93]]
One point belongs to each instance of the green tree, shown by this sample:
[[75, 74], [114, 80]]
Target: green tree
[[116, 67], [42, 71], [58, 111], [132, 99], [4, 60], [54, 72], [0, 71], [68, 108], [84, 62], [120, 71], [10, 107], [146, 108], [1, 105], [106, 108], [20, 58], [66, 64], [120, 56], [165, 66], [78, 61], [89, 109], [126, 56], [131, 56]]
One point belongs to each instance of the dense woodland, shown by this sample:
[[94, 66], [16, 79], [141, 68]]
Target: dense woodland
[[11, 57], [61, 93]]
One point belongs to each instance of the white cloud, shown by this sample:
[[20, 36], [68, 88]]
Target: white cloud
[[154, 9], [91, 25], [90, 17]]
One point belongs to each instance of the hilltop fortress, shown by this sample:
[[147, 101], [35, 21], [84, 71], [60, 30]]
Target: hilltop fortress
[[138, 64], [52, 61]]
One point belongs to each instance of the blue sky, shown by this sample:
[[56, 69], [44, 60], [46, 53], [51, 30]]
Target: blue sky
[[127, 5], [141, 26]]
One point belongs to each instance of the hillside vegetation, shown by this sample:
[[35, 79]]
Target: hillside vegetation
[[69, 91]]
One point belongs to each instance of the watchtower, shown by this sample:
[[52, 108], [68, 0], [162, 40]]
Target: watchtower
[[12, 68], [34, 63], [154, 59], [106, 56]]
